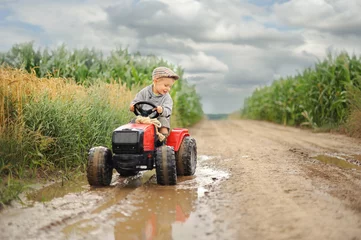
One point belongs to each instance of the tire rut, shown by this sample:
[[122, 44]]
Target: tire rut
[[271, 193]]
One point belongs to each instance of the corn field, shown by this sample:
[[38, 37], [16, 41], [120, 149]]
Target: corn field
[[54, 106], [87, 66], [319, 97]]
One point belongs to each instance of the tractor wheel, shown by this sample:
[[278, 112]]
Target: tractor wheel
[[99, 169], [165, 166], [186, 157], [127, 173]]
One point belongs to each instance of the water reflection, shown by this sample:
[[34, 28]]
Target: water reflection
[[138, 208], [339, 161], [155, 215], [58, 189], [138, 211]]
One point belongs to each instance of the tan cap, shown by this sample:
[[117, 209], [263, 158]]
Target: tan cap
[[160, 72]]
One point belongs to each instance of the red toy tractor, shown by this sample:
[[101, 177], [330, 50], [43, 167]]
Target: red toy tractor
[[136, 148]]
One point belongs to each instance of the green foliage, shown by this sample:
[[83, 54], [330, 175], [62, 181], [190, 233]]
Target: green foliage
[[43, 130], [9, 190], [87, 66], [15, 152], [71, 129], [188, 109], [22, 56], [353, 125], [317, 97]]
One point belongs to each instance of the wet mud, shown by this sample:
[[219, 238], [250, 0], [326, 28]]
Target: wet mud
[[56, 190], [341, 160], [141, 209], [131, 208]]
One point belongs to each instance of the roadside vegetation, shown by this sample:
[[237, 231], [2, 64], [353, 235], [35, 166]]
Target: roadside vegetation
[[325, 97], [55, 105]]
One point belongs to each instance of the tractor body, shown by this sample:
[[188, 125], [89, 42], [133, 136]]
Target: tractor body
[[135, 147]]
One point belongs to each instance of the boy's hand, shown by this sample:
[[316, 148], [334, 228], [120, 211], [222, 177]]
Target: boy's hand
[[131, 107], [159, 109]]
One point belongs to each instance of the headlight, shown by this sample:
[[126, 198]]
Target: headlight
[[125, 137]]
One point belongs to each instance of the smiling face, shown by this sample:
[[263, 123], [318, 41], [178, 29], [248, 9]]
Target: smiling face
[[162, 85]]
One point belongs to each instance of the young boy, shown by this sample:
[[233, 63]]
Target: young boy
[[158, 94]]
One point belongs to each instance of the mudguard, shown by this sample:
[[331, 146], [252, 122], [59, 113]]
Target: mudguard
[[176, 136]]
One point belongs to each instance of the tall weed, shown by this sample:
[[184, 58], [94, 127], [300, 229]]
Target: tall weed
[[51, 123]]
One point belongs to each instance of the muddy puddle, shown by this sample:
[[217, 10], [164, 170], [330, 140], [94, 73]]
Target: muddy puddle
[[138, 208], [59, 189], [341, 160]]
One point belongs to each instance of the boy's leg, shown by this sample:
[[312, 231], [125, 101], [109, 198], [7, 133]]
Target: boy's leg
[[164, 131], [165, 126]]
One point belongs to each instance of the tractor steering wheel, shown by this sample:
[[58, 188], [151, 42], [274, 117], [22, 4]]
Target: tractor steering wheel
[[140, 110]]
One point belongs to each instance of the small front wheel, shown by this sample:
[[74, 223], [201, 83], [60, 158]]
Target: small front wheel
[[166, 166], [99, 169]]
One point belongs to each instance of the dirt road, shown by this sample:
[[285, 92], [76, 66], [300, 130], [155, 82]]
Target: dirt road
[[254, 180]]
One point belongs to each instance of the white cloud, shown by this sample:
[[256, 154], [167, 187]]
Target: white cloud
[[226, 47], [203, 63], [78, 25], [334, 16], [9, 34]]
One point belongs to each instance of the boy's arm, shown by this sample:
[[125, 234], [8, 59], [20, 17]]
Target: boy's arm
[[140, 96], [167, 107]]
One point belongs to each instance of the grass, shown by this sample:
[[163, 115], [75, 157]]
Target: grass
[[48, 125], [56, 104], [89, 66], [323, 98], [9, 190]]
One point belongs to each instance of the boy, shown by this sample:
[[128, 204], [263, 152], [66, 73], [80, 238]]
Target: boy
[[158, 94]]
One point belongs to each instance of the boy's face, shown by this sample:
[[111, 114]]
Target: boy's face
[[163, 85]]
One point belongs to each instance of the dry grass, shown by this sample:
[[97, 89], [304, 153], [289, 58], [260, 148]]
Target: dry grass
[[44, 119], [47, 125], [353, 124], [17, 87]]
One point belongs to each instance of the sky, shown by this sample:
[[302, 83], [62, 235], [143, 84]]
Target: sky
[[228, 48]]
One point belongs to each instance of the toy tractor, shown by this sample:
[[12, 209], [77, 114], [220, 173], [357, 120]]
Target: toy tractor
[[136, 148]]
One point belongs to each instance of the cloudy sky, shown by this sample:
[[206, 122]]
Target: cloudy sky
[[227, 47]]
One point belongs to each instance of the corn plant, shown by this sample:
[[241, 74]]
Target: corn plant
[[88, 66], [317, 97], [56, 104]]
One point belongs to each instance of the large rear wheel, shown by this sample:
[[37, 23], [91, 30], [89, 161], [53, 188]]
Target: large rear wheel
[[166, 166], [99, 169], [186, 157]]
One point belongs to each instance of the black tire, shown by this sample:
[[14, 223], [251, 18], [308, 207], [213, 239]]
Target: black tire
[[186, 157], [165, 166], [99, 169], [127, 173]]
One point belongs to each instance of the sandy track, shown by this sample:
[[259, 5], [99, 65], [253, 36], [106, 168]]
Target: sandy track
[[275, 190]]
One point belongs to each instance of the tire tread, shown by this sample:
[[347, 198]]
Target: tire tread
[[99, 169]]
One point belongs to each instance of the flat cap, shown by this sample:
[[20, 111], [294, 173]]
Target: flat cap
[[160, 72]]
